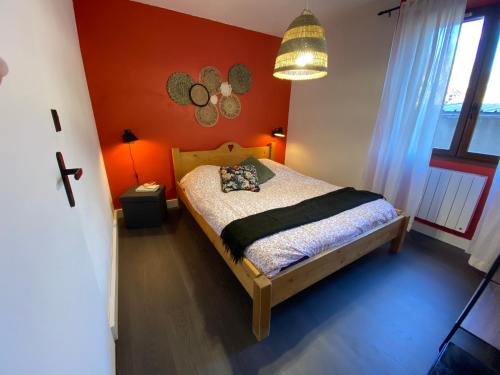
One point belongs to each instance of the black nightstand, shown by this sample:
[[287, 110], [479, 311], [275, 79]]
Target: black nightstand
[[144, 209]]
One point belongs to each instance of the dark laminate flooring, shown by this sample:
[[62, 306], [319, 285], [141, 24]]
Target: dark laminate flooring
[[181, 310]]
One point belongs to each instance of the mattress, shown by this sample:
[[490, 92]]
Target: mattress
[[273, 253]]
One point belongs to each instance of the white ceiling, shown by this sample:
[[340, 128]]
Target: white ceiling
[[266, 16]]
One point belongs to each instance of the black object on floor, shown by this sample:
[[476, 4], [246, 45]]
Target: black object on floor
[[454, 360], [144, 209], [487, 311]]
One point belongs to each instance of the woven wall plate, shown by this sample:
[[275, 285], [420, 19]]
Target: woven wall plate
[[207, 116], [230, 106], [240, 78], [178, 86], [210, 77], [199, 95]]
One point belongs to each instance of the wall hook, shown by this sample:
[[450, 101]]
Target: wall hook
[[65, 172]]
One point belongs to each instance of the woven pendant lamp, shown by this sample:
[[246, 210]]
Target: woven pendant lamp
[[302, 54]]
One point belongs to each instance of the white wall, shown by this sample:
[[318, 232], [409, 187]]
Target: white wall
[[331, 119], [54, 260], [63, 75]]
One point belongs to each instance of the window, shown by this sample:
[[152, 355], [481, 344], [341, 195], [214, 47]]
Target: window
[[469, 123]]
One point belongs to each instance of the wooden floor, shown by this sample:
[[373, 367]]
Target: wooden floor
[[181, 310]]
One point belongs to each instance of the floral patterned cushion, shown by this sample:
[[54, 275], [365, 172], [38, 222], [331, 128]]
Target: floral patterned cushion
[[239, 177]]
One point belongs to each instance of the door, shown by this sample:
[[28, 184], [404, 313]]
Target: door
[[53, 317]]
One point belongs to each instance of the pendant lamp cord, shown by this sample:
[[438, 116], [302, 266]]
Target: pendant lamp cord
[[307, 4], [133, 163]]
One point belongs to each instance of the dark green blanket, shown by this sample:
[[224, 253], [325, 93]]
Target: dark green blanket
[[241, 233]]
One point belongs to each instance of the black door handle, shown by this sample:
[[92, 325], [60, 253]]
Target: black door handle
[[77, 172], [65, 172]]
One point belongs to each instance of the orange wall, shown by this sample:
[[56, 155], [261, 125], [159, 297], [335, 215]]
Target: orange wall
[[130, 49]]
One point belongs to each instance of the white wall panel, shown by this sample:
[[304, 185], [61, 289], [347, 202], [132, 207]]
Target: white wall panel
[[437, 200], [450, 198], [459, 201]]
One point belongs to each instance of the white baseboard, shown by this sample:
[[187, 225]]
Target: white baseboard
[[113, 287], [172, 203], [460, 242]]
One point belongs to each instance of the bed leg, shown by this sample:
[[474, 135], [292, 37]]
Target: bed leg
[[261, 318], [180, 203], [397, 242]]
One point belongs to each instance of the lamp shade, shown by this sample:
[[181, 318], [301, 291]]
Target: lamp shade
[[128, 136], [278, 132], [302, 53]]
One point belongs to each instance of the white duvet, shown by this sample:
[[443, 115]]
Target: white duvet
[[271, 254]]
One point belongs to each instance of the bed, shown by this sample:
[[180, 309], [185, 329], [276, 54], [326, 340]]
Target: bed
[[279, 266]]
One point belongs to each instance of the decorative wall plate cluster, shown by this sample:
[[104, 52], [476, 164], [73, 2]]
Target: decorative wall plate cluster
[[210, 94]]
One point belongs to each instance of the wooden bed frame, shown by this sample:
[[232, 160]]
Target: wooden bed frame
[[268, 292]]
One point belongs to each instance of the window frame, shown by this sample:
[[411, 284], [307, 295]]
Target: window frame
[[478, 82]]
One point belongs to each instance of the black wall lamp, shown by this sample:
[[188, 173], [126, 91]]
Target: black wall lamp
[[278, 132], [129, 138]]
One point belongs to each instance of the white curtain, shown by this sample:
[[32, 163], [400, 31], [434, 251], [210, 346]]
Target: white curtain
[[419, 68], [485, 245]]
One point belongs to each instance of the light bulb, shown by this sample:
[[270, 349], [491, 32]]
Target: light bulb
[[304, 58]]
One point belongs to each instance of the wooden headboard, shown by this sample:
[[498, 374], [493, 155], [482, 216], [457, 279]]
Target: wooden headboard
[[229, 153]]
